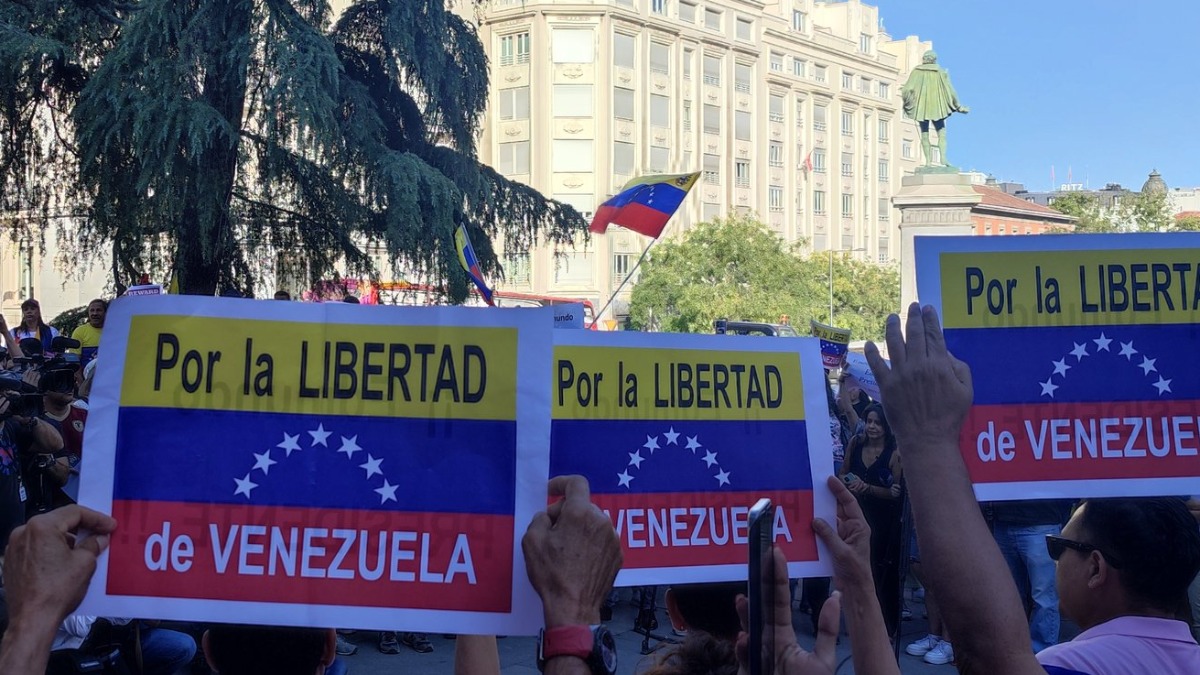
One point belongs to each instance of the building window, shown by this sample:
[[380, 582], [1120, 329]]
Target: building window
[[660, 159], [660, 111], [687, 115], [572, 156], [775, 109], [775, 154], [742, 73], [885, 90], [712, 169], [847, 164], [819, 116], [688, 55], [798, 67], [799, 202], [799, 20], [712, 19], [622, 265], [573, 45], [847, 207], [847, 241], [623, 104], [820, 242], [687, 13], [885, 209], [516, 268], [623, 50], [712, 119], [775, 198], [847, 81], [623, 158], [687, 160], [884, 255], [883, 171], [572, 100], [885, 130], [906, 149], [741, 125], [818, 160], [776, 62], [514, 49], [514, 158], [847, 123], [741, 173], [659, 7], [660, 58], [799, 113], [745, 29], [864, 43], [712, 70], [514, 103], [864, 86], [819, 202], [581, 203], [573, 268]]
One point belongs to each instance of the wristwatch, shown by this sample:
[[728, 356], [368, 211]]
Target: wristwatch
[[594, 644]]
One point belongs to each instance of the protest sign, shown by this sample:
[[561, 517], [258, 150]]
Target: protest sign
[[1082, 350], [319, 465], [835, 342], [679, 435], [860, 375], [145, 289]]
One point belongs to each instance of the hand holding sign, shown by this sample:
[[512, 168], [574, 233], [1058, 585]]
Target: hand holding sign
[[572, 555]]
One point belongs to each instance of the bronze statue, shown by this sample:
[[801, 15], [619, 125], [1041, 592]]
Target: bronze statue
[[929, 98]]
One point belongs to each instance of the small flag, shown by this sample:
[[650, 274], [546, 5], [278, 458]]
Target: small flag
[[808, 165], [470, 263], [645, 204]]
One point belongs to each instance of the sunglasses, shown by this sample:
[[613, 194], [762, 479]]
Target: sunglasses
[[1055, 546]]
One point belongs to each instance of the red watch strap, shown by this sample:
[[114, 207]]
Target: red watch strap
[[567, 641]]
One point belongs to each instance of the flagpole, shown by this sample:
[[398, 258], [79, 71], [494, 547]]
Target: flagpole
[[626, 279]]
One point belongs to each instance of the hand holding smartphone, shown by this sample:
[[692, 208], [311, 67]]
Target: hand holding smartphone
[[761, 597]]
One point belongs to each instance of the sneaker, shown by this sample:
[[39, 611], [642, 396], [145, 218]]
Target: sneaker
[[345, 647], [388, 643], [923, 646], [940, 655], [417, 642]]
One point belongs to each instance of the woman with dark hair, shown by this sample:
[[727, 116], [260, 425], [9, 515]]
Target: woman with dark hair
[[32, 326], [708, 612], [872, 471]]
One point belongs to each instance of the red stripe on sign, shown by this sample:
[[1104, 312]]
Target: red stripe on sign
[[1082, 441], [687, 529], [447, 561]]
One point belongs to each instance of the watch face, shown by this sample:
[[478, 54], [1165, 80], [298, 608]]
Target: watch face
[[606, 645]]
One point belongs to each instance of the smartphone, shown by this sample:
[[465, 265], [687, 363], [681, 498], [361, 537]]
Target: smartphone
[[762, 588]]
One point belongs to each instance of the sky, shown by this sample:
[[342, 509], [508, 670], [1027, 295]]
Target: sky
[[1108, 89]]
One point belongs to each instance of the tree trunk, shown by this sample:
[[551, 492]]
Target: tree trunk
[[207, 245]]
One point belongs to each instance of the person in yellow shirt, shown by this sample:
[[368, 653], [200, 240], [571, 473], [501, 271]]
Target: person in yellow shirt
[[88, 334]]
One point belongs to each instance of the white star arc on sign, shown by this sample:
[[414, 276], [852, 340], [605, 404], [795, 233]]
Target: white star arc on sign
[[349, 446], [1061, 367], [1127, 350], [1163, 385], [319, 436], [1048, 388], [387, 492], [651, 444], [1147, 365], [693, 444], [1102, 343], [289, 443], [672, 437], [1080, 351], [372, 466], [624, 479], [636, 459], [244, 486], [263, 462], [710, 457], [722, 477]]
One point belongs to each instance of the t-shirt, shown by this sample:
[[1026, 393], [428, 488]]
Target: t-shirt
[[89, 342], [1127, 645], [70, 427], [21, 332]]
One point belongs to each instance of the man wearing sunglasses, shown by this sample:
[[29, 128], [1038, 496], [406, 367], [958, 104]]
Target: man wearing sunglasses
[[1123, 566]]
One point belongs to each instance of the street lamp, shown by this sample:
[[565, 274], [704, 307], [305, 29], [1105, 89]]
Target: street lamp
[[831, 252]]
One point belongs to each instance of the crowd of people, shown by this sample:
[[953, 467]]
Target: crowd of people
[[995, 577]]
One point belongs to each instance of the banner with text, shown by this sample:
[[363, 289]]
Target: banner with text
[[319, 465], [1082, 350], [679, 435]]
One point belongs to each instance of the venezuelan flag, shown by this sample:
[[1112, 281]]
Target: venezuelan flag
[[645, 204], [470, 263]]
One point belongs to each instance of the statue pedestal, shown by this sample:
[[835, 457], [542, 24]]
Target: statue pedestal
[[931, 204]]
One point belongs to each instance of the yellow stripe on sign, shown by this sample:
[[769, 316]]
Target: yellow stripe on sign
[[602, 383], [1070, 288], [319, 368]]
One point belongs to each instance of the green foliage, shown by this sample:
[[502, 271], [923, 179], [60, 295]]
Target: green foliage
[[1188, 223], [1148, 211], [1086, 207], [201, 135], [736, 268], [68, 321]]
